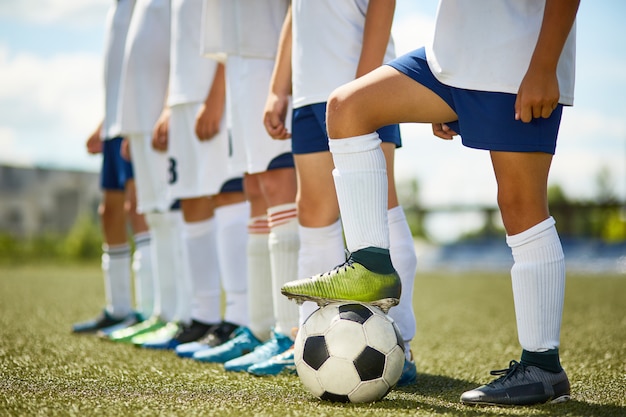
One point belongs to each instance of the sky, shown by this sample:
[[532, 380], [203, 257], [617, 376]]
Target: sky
[[51, 99]]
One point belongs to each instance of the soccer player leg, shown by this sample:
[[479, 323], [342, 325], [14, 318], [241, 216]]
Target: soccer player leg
[[538, 281]]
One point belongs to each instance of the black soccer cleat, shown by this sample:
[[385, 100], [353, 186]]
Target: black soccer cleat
[[521, 385]]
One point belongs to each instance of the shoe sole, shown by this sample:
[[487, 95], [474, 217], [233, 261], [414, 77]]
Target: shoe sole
[[557, 400], [384, 304]]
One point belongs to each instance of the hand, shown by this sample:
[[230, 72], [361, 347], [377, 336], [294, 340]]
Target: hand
[[538, 96], [125, 149], [160, 134], [443, 131], [208, 121], [275, 115], [94, 143]]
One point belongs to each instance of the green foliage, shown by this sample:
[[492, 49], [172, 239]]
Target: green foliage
[[82, 243], [614, 227], [466, 327]]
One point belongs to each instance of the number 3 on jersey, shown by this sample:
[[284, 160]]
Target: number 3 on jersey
[[173, 174]]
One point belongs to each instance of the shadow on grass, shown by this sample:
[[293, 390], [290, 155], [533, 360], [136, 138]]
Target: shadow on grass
[[440, 395]]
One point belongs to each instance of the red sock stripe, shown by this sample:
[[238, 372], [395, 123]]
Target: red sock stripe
[[282, 217], [259, 226]]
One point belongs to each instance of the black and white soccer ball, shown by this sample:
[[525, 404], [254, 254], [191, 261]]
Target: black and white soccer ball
[[349, 352]]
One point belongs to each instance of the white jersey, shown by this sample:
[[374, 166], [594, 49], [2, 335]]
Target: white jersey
[[117, 23], [326, 31], [191, 75], [247, 28], [146, 67], [471, 35]]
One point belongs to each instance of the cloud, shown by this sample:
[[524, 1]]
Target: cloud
[[411, 31], [49, 105], [9, 151], [70, 12]]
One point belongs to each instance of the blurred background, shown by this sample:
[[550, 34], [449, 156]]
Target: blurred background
[[51, 99]]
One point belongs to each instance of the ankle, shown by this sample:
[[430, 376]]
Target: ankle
[[548, 360], [374, 259]]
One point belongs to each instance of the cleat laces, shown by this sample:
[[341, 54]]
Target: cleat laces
[[506, 373]]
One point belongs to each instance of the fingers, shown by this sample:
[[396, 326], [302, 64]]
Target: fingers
[[528, 112], [207, 131], [160, 139], [443, 131], [275, 127]]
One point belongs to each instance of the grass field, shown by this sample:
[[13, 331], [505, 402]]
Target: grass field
[[465, 328]]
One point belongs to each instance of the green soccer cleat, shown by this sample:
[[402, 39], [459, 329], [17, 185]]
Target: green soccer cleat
[[125, 335], [159, 335], [350, 281]]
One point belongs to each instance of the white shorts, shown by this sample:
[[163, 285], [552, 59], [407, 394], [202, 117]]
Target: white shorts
[[151, 174], [197, 168], [248, 81]]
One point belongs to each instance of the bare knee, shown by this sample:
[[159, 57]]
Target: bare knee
[[317, 212], [519, 213], [342, 110], [278, 186]]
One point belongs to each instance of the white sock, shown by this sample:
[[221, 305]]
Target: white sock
[[284, 244], [184, 287], [142, 269], [232, 238], [360, 176], [538, 279], [260, 300], [117, 286], [404, 260], [168, 267], [321, 249], [201, 243]]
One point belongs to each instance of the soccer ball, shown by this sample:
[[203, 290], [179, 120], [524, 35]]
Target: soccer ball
[[349, 352]]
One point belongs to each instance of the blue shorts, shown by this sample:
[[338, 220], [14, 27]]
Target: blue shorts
[[234, 185], [483, 116], [308, 130], [284, 160], [116, 171]]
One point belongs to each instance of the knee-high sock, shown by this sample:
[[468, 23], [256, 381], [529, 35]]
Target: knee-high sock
[[321, 249], [117, 280], [404, 260], [284, 245], [142, 269], [260, 300], [232, 238], [200, 238], [360, 176], [169, 268], [538, 279]]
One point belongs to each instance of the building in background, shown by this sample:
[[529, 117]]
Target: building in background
[[41, 200]]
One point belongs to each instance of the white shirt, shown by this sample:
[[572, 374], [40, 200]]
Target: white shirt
[[191, 74], [117, 23], [471, 35], [248, 28], [327, 42], [145, 75]]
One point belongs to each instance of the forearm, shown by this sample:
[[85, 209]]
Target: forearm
[[218, 87], [280, 83], [377, 31], [558, 18]]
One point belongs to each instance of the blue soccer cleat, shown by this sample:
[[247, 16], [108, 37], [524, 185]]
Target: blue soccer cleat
[[282, 363], [242, 343], [277, 344], [409, 374]]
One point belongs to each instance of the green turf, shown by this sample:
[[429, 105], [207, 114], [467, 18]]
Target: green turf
[[465, 328]]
